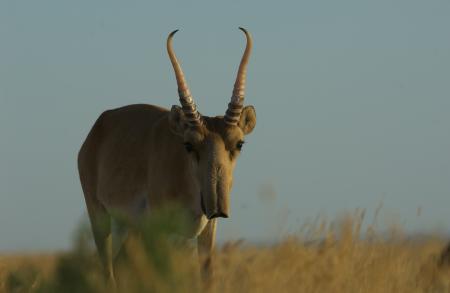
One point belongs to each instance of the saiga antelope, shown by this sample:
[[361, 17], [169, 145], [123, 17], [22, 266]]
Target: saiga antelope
[[137, 157]]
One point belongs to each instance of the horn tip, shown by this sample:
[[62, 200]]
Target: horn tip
[[245, 32], [174, 32]]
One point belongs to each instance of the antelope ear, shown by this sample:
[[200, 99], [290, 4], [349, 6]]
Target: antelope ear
[[177, 121], [248, 119]]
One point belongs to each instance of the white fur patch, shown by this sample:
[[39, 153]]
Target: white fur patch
[[201, 224]]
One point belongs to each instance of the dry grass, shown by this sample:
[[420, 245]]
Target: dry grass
[[25, 271], [328, 258]]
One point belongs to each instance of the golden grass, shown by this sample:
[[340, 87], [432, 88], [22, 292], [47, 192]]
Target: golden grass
[[32, 268], [336, 259]]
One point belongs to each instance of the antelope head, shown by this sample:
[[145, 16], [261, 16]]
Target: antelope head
[[212, 144]]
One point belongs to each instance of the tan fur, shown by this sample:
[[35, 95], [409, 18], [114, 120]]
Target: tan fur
[[134, 160]]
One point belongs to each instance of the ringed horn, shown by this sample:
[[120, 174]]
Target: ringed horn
[[236, 104], [186, 100]]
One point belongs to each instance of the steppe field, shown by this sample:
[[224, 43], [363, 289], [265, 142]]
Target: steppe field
[[324, 257]]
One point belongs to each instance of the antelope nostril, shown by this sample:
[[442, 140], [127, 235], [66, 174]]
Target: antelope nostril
[[218, 215], [222, 215]]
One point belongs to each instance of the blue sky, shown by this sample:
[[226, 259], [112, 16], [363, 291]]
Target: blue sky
[[352, 99]]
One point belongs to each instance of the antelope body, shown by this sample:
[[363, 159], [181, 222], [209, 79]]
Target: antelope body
[[138, 157]]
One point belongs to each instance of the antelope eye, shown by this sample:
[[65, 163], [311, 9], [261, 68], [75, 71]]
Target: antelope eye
[[240, 144], [188, 146]]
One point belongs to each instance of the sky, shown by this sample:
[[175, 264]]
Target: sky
[[352, 102]]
